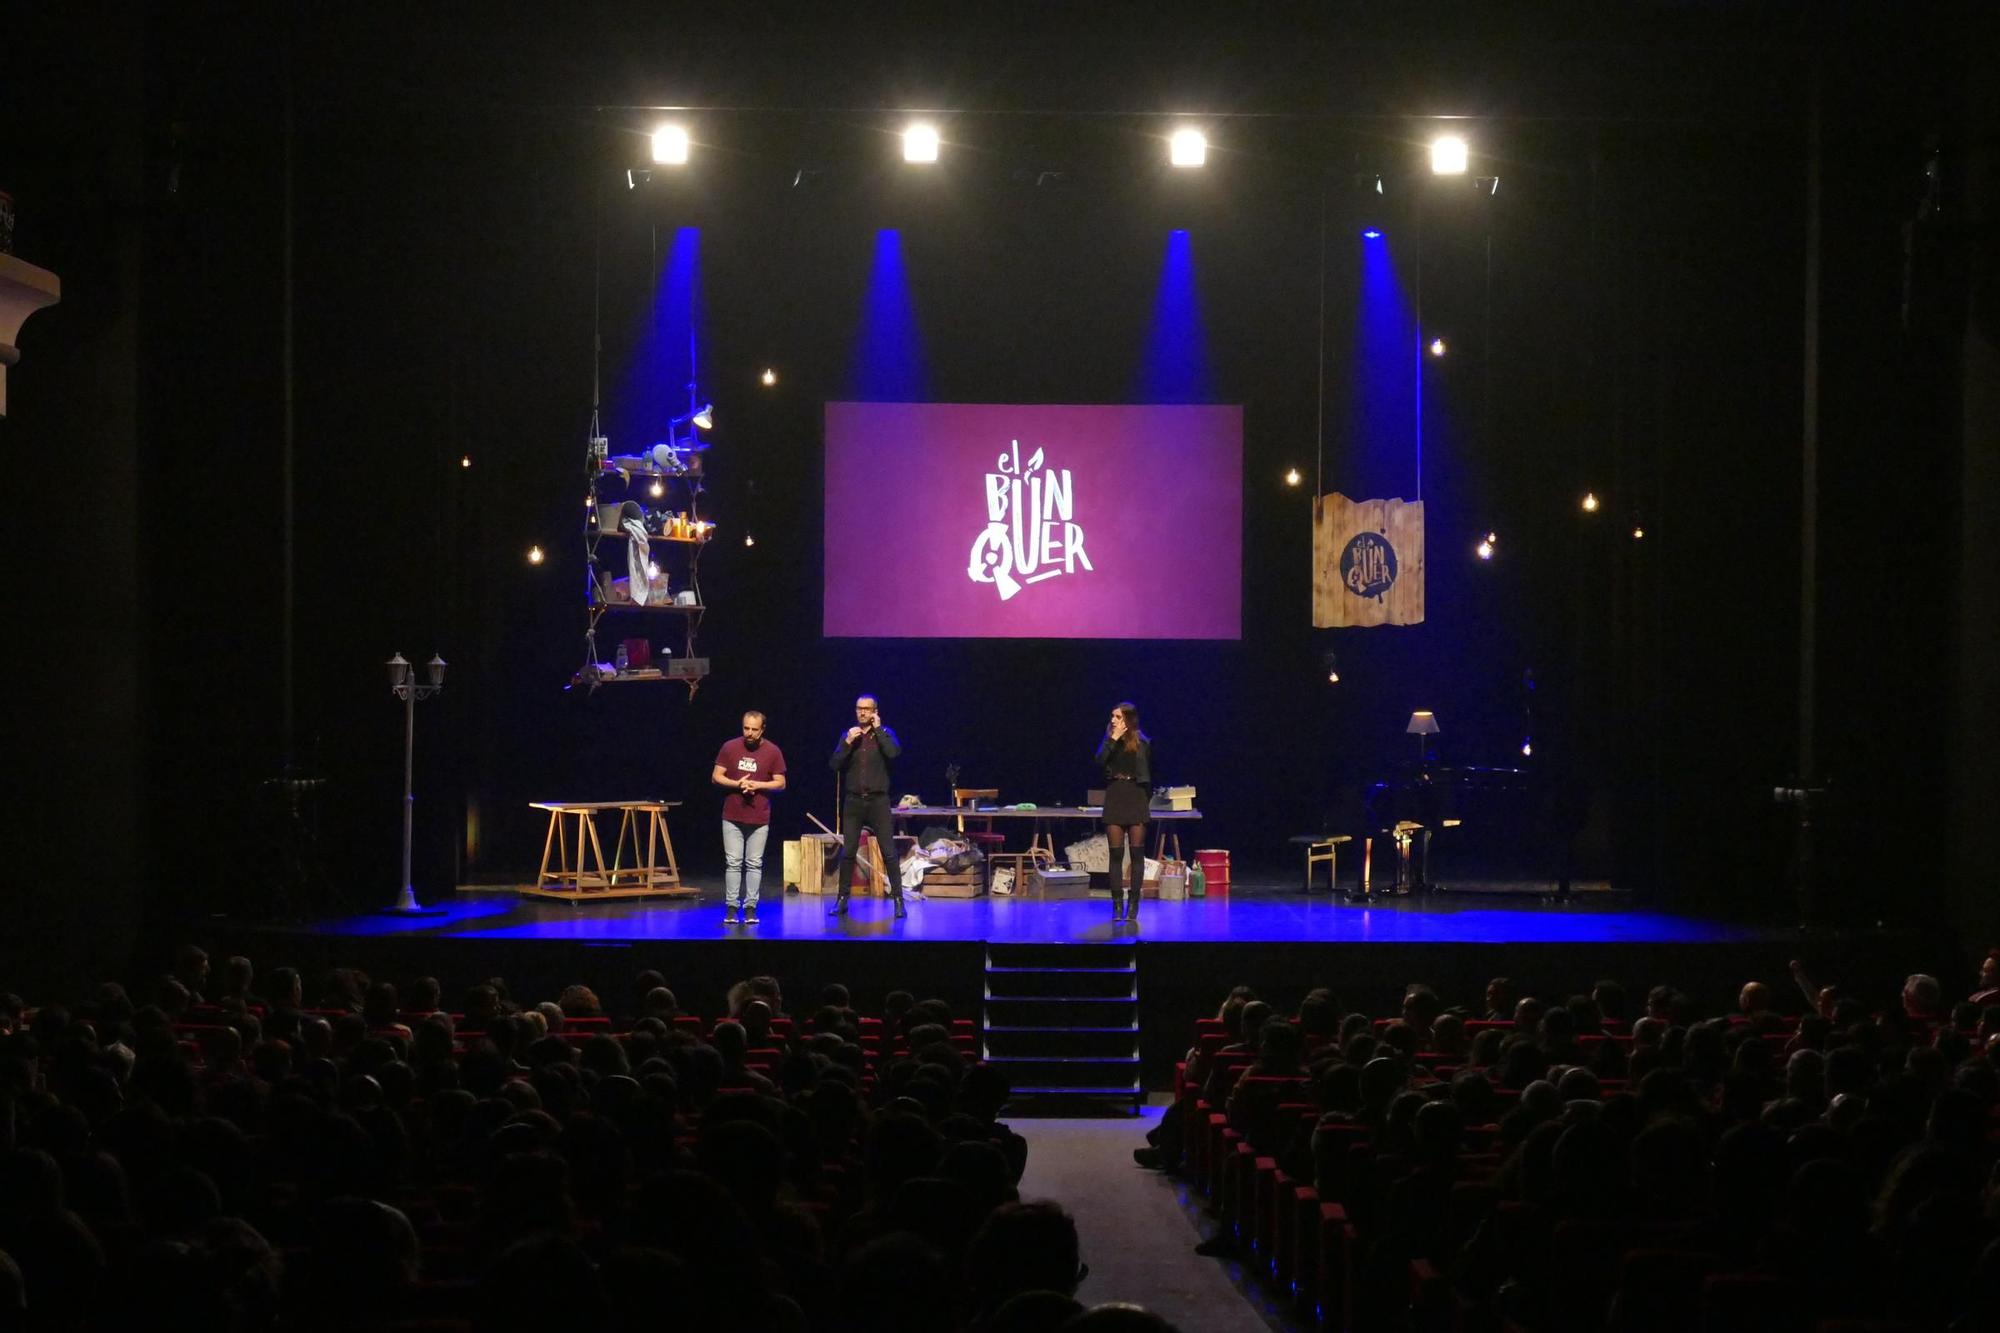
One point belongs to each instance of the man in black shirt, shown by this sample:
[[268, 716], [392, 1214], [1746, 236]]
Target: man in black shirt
[[862, 760]]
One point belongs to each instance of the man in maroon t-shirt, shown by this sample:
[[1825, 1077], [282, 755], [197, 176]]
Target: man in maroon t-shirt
[[751, 768]]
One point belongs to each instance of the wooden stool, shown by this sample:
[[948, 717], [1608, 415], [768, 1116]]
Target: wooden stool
[[984, 838], [1322, 849]]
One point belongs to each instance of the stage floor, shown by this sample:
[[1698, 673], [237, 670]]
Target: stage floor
[[1246, 917]]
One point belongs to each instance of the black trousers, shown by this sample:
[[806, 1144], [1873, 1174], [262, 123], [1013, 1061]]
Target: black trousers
[[869, 811]]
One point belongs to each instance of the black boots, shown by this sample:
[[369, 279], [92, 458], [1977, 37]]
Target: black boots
[[839, 907], [1132, 906], [1116, 879]]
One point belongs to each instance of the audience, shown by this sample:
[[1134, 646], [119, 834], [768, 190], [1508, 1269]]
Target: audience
[[1850, 1155], [227, 1156], [220, 1159]]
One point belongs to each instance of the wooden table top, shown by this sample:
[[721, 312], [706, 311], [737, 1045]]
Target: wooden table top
[[1009, 812], [571, 807]]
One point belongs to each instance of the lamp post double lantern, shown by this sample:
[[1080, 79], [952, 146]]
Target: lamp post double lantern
[[404, 685]]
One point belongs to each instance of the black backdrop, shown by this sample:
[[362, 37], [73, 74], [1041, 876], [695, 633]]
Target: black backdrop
[[459, 200]]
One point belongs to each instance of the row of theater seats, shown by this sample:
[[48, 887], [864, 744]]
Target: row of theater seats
[[1306, 1240], [203, 1019]]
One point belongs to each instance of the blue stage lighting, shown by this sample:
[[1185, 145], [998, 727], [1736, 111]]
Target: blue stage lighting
[[1372, 234]]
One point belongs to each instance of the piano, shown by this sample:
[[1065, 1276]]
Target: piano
[[1497, 818]]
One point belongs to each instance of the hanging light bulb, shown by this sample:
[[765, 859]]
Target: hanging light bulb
[[658, 488], [748, 540], [535, 555], [1292, 477], [1590, 502], [768, 378], [465, 461]]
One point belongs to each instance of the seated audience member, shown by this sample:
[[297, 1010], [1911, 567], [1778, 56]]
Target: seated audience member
[[1022, 1247], [1987, 992]]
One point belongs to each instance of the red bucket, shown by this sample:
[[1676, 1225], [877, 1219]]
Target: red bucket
[[1214, 869]]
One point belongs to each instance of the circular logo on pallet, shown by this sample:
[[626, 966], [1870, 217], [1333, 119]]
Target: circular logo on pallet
[[1368, 565]]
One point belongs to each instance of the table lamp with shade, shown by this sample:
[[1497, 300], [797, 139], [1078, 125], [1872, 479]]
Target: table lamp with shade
[[1423, 723]]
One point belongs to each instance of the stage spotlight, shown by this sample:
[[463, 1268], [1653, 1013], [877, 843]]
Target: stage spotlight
[[1372, 234], [920, 143], [1292, 477], [1437, 347], [465, 461], [1187, 148], [1484, 550], [658, 488], [768, 378], [1638, 532], [670, 145], [534, 555], [1590, 502], [1448, 155], [703, 416]]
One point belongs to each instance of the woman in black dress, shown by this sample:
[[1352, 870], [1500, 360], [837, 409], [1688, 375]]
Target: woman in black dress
[[1126, 756]]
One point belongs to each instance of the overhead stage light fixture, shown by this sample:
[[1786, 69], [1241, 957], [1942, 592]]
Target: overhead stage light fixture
[[670, 145], [920, 143], [1187, 148], [1437, 347], [1449, 155], [1372, 234]]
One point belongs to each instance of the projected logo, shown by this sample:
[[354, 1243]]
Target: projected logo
[[1031, 533], [1368, 564]]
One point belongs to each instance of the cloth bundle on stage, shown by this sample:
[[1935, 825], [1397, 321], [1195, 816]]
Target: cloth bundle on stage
[[1368, 562], [945, 868]]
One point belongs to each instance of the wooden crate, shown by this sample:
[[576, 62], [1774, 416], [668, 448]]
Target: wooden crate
[[816, 873], [967, 883]]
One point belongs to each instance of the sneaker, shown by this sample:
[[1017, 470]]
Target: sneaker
[[749, 916], [728, 916]]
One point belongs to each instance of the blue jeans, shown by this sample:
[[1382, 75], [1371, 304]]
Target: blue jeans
[[742, 862]]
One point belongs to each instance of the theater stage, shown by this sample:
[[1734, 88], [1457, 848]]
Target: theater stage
[[1185, 954]]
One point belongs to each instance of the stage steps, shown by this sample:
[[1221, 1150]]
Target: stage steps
[[1063, 1021]]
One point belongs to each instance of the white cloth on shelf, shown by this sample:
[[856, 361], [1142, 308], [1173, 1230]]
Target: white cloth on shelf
[[638, 562]]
